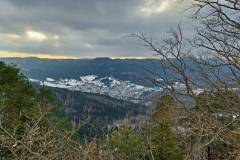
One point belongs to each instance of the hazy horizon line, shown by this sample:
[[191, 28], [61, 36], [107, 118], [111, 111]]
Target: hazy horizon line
[[10, 54]]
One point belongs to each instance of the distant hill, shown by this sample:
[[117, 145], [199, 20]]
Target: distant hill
[[134, 70]]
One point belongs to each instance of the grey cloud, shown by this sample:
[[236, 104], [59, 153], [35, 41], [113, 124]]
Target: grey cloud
[[85, 27]]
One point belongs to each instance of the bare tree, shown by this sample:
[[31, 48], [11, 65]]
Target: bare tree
[[219, 33], [210, 62]]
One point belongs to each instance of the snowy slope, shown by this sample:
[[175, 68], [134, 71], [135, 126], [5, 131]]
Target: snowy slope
[[110, 86], [119, 89]]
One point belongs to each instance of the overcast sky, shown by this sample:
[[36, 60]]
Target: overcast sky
[[83, 28]]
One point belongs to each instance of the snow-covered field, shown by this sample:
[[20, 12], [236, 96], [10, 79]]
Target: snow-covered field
[[124, 90], [107, 86]]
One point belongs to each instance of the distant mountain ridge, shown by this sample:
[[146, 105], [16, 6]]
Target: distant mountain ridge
[[133, 70], [137, 71]]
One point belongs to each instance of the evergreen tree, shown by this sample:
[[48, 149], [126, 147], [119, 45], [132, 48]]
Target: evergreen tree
[[16, 95], [164, 141], [126, 144], [29, 127]]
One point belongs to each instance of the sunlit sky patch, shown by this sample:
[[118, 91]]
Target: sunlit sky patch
[[9, 54], [153, 7], [36, 36], [40, 36]]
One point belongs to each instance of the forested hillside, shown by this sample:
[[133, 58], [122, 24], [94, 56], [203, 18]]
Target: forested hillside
[[96, 113]]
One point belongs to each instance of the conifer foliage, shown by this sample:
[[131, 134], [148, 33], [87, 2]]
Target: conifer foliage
[[164, 141], [126, 144]]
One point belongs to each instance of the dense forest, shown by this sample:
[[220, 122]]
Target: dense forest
[[96, 114]]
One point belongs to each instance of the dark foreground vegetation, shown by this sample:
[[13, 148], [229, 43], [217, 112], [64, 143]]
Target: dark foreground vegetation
[[32, 128], [208, 129]]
